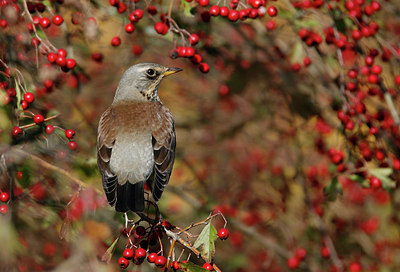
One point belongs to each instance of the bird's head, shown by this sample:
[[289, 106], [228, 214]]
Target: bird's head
[[140, 82]]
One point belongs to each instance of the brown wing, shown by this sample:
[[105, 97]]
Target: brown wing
[[106, 135], [164, 142]]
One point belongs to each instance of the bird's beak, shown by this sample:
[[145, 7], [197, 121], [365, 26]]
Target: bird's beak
[[171, 71]]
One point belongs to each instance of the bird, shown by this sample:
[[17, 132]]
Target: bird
[[136, 139]]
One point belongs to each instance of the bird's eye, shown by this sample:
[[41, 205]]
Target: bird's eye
[[151, 72]]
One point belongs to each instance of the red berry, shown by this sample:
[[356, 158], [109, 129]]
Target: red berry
[[137, 50], [3, 23], [24, 104], [3, 209], [16, 131], [233, 15], [204, 68], [140, 254], [397, 80], [58, 20], [376, 69], [116, 41], [189, 52], [29, 97], [223, 90], [51, 57], [160, 261], [208, 267], [48, 83], [35, 41], [114, 3], [214, 10], [128, 253], [271, 25], [369, 60], [138, 13], [373, 79], [123, 263], [45, 22], [4, 197], [301, 253], [38, 119], [161, 28], [306, 61], [61, 61], [356, 34], [272, 11], [129, 28], [152, 257], [121, 7], [69, 133], [293, 263], [70, 63], [175, 265], [49, 129], [72, 145], [152, 10], [204, 3], [224, 11], [98, 57], [193, 39], [375, 183], [196, 59], [223, 234], [20, 174], [325, 252], [62, 53]]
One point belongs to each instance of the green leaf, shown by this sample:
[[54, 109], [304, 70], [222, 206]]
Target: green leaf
[[333, 189], [19, 95], [383, 174], [108, 254], [206, 241], [186, 8], [191, 267], [363, 181]]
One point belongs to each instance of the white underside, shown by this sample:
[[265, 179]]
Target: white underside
[[132, 158]]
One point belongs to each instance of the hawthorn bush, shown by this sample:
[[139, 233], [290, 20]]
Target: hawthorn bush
[[287, 123]]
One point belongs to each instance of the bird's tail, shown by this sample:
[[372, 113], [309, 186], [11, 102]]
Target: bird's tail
[[130, 197]]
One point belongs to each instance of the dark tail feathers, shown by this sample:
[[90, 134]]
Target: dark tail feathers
[[130, 197]]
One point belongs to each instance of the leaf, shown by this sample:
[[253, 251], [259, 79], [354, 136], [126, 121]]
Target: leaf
[[186, 8], [333, 189], [363, 181], [108, 254], [18, 95], [383, 174], [206, 241], [191, 267]]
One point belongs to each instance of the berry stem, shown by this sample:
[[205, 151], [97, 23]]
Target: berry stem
[[45, 120]]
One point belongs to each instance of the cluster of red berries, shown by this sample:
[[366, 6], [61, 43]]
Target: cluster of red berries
[[294, 261], [4, 197], [61, 60], [255, 9], [337, 158], [310, 37]]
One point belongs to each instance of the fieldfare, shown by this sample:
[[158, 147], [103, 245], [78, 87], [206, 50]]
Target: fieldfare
[[136, 138]]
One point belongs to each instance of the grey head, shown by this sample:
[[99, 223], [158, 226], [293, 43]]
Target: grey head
[[140, 82]]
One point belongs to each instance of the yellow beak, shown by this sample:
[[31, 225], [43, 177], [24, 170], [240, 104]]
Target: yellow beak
[[171, 71]]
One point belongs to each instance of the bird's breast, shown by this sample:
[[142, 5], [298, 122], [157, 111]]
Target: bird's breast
[[132, 157]]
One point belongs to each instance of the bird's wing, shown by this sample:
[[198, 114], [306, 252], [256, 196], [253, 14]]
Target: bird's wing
[[106, 135], [164, 142]]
